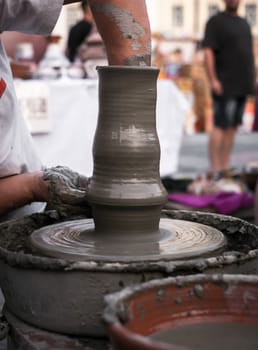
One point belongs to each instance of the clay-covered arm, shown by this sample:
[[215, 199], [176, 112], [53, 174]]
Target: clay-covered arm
[[63, 189], [125, 29]]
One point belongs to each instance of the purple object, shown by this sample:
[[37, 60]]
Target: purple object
[[222, 202]]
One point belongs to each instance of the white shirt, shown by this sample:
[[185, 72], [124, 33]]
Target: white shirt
[[17, 153]]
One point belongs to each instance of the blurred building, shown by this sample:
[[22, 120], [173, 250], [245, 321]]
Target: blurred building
[[184, 18], [174, 18]]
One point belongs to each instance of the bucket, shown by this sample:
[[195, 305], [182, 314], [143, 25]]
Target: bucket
[[201, 312]]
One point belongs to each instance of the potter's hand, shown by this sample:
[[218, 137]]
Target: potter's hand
[[67, 191]]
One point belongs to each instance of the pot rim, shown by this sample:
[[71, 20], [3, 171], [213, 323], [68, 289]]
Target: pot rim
[[115, 303]]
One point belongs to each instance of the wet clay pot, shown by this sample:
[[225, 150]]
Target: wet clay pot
[[193, 312], [67, 296], [125, 192]]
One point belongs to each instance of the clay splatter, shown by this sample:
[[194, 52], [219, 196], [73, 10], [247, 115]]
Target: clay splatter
[[141, 60], [198, 291], [160, 294], [178, 301]]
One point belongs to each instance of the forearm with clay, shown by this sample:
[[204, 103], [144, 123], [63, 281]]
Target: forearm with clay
[[125, 29], [63, 189]]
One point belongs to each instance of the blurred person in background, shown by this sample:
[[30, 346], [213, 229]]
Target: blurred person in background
[[124, 27], [228, 52], [79, 32]]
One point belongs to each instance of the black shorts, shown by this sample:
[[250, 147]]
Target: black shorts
[[228, 111]]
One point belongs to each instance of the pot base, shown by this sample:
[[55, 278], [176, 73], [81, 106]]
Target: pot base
[[176, 240]]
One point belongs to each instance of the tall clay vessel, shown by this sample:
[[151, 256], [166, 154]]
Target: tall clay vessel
[[125, 191]]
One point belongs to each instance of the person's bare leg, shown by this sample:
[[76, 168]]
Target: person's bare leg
[[125, 30], [227, 145], [215, 148]]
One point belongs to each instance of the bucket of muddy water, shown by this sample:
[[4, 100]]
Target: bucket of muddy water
[[201, 312]]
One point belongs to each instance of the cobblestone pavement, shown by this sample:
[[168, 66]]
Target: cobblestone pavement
[[193, 158]]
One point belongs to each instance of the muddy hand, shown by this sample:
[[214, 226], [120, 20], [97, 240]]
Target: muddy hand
[[67, 191]]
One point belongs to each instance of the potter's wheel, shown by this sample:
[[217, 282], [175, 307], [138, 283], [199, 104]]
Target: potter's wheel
[[125, 191], [176, 239]]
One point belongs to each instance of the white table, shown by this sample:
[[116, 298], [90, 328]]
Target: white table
[[73, 110]]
